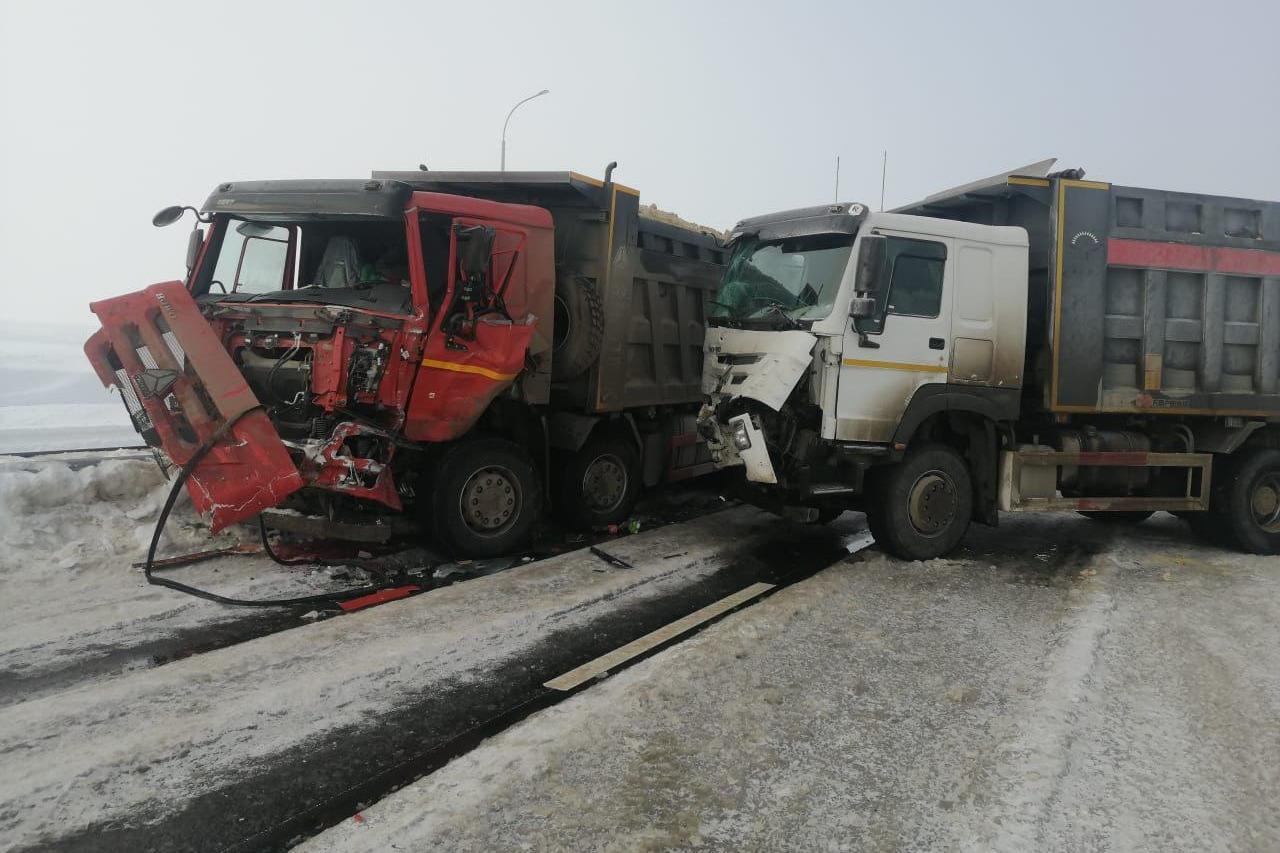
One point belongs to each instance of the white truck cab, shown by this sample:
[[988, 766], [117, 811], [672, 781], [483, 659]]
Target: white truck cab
[[876, 310]]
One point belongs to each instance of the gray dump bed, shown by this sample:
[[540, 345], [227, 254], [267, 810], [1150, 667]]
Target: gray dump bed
[[1141, 300], [654, 273]]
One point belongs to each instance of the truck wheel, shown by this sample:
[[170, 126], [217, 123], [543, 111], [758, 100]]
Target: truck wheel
[[1136, 516], [486, 499], [600, 482], [923, 505], [1252, 507], [577, 329]]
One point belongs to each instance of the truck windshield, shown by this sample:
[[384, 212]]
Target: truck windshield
[[358, 263], [796, 277]]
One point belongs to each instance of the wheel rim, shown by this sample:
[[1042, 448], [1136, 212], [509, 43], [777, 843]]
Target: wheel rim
[[1265, 502], [932, 502], [490, 501], [604, 483]]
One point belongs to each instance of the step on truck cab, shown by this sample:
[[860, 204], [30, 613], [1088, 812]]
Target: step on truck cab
[[468, 348], [1030, 342]]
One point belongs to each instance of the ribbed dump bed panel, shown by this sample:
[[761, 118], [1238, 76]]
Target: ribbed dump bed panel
[[1164, 301], [655, 302]]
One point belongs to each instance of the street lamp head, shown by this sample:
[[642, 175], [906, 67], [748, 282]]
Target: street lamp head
[[503, 165]]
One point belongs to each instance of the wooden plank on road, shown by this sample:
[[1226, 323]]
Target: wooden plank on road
[[594, 668]]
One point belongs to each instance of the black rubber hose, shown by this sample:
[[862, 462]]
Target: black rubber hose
[[329, 598]]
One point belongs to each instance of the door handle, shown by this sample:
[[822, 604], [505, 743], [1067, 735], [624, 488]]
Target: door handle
[[937, 343]]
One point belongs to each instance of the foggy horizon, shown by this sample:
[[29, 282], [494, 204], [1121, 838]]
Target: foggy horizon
[[715, 112]]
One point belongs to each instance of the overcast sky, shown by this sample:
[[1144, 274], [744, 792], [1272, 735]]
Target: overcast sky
[[717, 111]]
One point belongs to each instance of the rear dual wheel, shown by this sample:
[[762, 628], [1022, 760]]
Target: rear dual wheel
[[599, 483], [1245, 504]]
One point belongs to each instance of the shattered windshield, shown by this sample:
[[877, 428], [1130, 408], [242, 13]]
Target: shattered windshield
[[791, 279]]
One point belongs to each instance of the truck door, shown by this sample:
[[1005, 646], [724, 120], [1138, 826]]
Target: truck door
[[475, 348], [912, 327]]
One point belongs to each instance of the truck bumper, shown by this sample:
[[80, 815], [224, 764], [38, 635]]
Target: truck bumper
[[181, 386]]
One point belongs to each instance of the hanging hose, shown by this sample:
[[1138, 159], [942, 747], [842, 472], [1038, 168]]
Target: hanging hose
[[328, 598]]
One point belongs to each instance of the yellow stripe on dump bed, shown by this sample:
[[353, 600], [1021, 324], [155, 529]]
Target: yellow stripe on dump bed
[[468, 368]]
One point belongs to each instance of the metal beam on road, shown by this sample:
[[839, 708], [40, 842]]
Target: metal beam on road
[[622, 654]]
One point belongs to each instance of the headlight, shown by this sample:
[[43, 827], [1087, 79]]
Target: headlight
[[741, 439]]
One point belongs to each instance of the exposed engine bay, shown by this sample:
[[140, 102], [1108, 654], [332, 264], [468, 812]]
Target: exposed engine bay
[[327, 377]]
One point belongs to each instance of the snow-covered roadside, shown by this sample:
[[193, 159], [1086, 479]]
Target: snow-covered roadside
[[1088, 690], [137, 746], [68, 537]]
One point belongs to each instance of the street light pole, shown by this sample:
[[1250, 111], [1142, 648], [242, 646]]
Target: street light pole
[[508, 121]]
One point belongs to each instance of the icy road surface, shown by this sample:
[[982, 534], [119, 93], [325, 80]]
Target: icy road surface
[[224, 746], [1062, 685]]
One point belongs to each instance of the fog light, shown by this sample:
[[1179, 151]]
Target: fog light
[[741, 439]]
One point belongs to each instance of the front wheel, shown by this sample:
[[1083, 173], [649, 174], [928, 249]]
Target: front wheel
[[921, 507], [486, 498]]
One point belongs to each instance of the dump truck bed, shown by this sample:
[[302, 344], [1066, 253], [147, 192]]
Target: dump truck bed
[[1142, 300]]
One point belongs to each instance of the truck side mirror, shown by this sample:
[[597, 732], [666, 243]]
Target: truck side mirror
[[871, 253], [194, 241], [862, 306], [475, 246]]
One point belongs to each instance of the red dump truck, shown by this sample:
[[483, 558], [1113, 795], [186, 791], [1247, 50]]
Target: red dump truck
[[1030, 342], [467, 348]]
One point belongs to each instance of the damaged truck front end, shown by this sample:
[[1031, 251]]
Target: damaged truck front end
[[772, 354], [305, 355]]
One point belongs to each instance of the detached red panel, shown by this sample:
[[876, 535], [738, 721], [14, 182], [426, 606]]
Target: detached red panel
[[189, 387]]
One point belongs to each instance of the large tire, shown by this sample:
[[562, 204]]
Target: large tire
[[1136, 516], [1252, 501], [486, 498], [578, 327], [599, 484], [921, 507]]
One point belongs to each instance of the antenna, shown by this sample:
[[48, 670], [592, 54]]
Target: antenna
[[837, 177], [884, 168]]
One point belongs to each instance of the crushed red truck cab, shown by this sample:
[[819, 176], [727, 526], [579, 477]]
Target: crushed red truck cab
[[358, 347]]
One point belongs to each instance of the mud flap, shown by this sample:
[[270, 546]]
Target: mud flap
[[181, 386], [455, 386]]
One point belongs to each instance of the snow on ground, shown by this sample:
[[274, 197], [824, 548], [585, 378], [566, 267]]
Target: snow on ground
[[137, 746], [69, 534], [1061, 685]]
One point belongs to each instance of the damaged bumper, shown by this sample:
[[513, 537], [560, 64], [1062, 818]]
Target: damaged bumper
[[761, 366]]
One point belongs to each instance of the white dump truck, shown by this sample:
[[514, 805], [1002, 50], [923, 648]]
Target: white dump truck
[[1030, 342]]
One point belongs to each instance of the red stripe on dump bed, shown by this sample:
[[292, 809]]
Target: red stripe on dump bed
[[1183, 256]]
